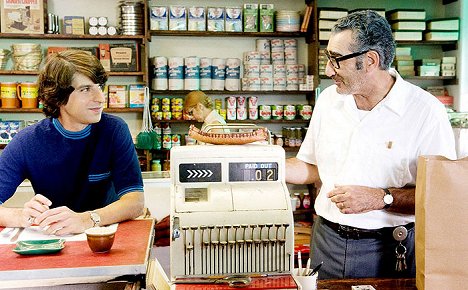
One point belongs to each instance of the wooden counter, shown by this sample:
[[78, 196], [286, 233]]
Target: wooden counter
[[377, 283]]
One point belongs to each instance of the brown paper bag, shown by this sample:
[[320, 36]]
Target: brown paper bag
[[441, 223]]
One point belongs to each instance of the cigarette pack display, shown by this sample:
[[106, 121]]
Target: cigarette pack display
[[124, 57], [23, 16]]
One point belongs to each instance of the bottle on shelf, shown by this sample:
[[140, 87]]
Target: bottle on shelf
[[306, 200], [299, 200], [156, 165]]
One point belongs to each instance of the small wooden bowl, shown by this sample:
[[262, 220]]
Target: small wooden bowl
[[100, 239]]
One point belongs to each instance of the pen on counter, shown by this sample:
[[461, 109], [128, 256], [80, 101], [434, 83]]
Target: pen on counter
[[307, 268], [299, 263], [315, 270]]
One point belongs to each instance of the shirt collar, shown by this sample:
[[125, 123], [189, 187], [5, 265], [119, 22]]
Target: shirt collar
[[71, 134], [395, 100]]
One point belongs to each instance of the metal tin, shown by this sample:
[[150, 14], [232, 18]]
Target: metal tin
[[175, 140], [276, 112], [304, 111], [102, 21], [242, 113], [177, 101], [167, 141], [289, 112], [241, 102], [167, 116], [155, 108], [231, 102], [157, 115], [231, 114], [177, 108], [166, 108], [253, 113], [264, 112], [165, 101], [252, 102], [93, 21], [177, 115]]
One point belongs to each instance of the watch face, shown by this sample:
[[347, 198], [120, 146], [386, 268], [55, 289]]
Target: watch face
[[388, 199]]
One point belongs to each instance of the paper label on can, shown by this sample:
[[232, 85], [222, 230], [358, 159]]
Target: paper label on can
[[218, 72], [241, 101], [241, 113], [253, 113], [176, 72], [231, 102], [233, 72], [253, 102]]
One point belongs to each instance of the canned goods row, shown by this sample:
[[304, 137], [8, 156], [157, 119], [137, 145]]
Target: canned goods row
[[233, 102], [170, 140], [165, 109], [292, 136], [270, 112]]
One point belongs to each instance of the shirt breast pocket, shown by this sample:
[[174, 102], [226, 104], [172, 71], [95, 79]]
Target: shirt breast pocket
[[388, 162]]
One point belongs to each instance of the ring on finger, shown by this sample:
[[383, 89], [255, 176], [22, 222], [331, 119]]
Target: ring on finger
[[30, 220]]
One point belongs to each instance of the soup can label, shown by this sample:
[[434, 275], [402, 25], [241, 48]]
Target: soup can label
[[231, 102], [231, 114], [276, 112], [166, 116], [165, 108], [176, 115], [175, 140], [304, 111], [157, 115], [241, 102], [289, 112], [241, 113], [253, 113], [264, 112], [167, 141], [253, 102]]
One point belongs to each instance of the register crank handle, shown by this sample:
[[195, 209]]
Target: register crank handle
[[175, 229]]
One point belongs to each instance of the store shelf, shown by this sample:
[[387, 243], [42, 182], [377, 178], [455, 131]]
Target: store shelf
[[28, 72], [71, 36], [295, 121], [107, 110], [184, 92], [225, 34]]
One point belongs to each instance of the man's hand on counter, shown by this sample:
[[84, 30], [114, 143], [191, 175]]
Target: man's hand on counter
[[162, 232]]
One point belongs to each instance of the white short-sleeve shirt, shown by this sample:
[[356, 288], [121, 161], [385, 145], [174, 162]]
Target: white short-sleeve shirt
[[379, 149]]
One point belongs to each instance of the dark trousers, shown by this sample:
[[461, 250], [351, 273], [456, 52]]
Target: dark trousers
[[358, 258]]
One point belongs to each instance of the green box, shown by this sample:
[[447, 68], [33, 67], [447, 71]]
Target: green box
[[250, 17], [267, 13]]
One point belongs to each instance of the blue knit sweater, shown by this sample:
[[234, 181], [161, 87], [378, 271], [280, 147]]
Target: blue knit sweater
[[83, 170]]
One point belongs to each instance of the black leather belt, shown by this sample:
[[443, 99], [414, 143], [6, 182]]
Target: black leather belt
[[348, 232]]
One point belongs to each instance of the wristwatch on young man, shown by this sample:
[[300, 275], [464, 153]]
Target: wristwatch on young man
[[96, 218], [388, 198]]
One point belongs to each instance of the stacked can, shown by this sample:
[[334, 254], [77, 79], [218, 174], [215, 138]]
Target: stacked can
[[279, 77], [156, 112], [266, 77], [159, 76], [166, 109], [253, 107], [292, 77], [231, 103], [177, 106], [251, 79], [218, 74], [264, 48], [205, 73], [290, 51], [277, 51], [293, 137], [192, 73], [218, 106], [132, 18], [308, 84], [289, 112], [166, 136], [241, 109]]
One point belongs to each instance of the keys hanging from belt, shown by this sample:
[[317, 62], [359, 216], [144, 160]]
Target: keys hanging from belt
[[399, 234]]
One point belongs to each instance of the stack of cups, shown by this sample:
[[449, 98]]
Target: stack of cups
[[292, 77], [232, 82], [218, 74], [290, 51], [241, 110], [264, 48], [253, 108], [266, 77], [231, 108], [159, 80], [277, 51], [176, 73], [279, 77], [251, 79], [205, 74], [192, 73]]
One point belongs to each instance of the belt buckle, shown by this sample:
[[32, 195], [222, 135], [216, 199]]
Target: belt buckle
[[348, 232]]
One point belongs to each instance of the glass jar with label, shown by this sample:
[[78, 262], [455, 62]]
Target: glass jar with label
[[306, 200], [156, 165], [299, 201]]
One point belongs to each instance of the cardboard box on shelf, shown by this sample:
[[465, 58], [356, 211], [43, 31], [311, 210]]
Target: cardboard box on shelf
[[104, 56], [124, 57], [23, 16], [136, 94], [73, 25], [118, 96]]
